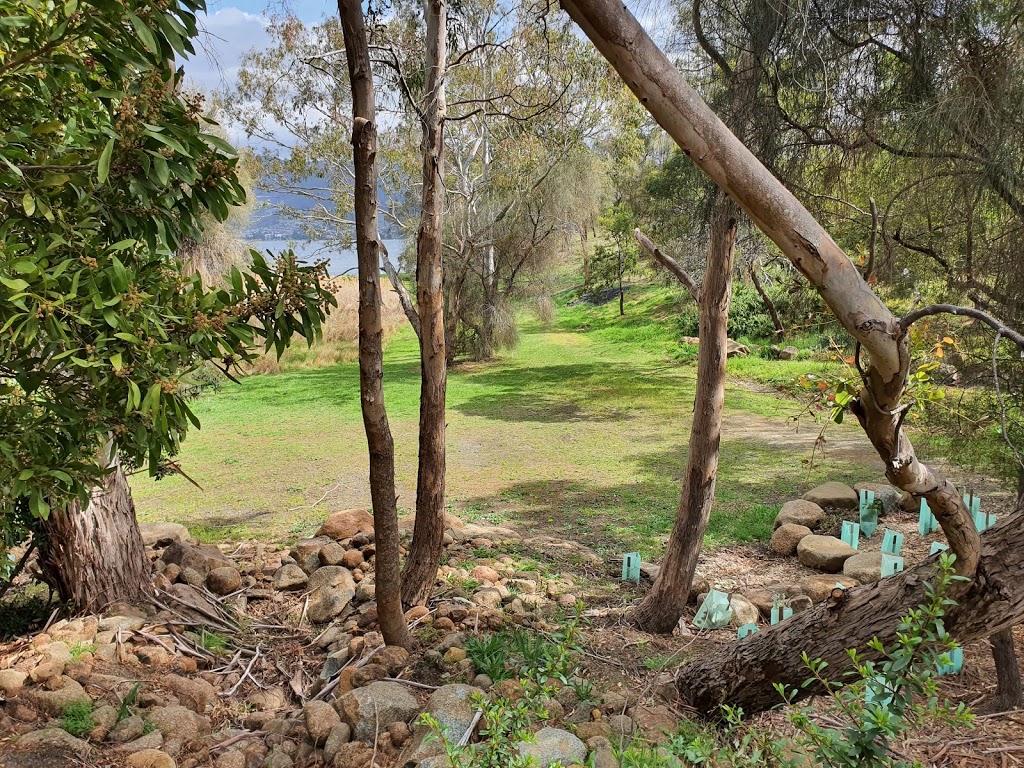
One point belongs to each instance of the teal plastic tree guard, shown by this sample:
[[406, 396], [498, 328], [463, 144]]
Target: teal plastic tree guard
[[926, 522], [746, 629], [781, 613], [955, 665], [868, 513], [877, 692], [937, 546], [631, 567], [714, 612], [891, 564], [851, 533], [892, 542]]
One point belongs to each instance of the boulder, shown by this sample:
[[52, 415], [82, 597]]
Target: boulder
[[743, 611], [368, 710], [346, 524], [885, 493], [331, 589], [150, 758], [787, 536], [306, 552], [332, 553], [553, 745], [819, 587], [485, 573], [735, 349], [788, 353], [178, 722], [454, 710], [800, 512], [201, 558], [11, 682], [833, 495], [224, 580], [321, 718], [824, 553], [56, 701], [865, 567], [163, 534], [289, 577], [54, 738]]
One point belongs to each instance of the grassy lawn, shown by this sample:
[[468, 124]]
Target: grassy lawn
[[581, 432]]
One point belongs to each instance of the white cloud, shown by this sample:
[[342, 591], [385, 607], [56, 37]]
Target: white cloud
[[225, 36]]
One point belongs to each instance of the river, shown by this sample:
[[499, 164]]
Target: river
[[340, 260]]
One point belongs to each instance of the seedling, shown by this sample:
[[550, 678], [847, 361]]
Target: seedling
[[892, 542], [891, 564], [851, 533], [631, 567]]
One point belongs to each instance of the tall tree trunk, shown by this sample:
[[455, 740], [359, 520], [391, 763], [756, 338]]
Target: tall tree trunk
[[1009, 690], [428, 532], [780, 329], [622, 292], [585, 246], [664, 604], [94, 555], [664, 92], [744, 673], [388, 582]]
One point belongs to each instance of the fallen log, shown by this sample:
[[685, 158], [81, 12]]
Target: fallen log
[[744, 673]]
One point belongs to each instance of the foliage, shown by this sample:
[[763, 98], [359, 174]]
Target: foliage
[[124, 708], [77, 718], [520, 653], [884, 698], [80, 648], [107, 170], [504, 724], [214, 642]]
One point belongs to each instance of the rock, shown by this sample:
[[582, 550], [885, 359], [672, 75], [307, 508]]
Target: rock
[[591, 730], [865, 567], [128, 729], [52, 737], [202, 558], [603, 756], [332, 588], [370, 673], [656, 724], [800, 512], [392, 657], [786, 537], [399, 733], [332, 553], [224, 580], [306, 552], [482, 681], [553, 745], [346, 524], [824, 553], [488, 597], [152, 740], [195, 693], [788, 353], [485, 573], [454, 710], [735, 349], [818, 588], [56, 701], [178, 722], [320, 718], [621, 725], [340, 734], [890, 497], [191, 602], [454, 655], [11, 682], [352, 559], [833, 495], [150, 758], [378, 703], [353, 755], [289, 577], [233, 758], [743, 611], [163, 534], [124, 623]]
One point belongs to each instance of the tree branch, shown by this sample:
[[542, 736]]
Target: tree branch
[[668, 263], [403, 294], [951, 309]]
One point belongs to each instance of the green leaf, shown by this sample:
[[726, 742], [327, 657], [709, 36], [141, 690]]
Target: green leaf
[[115, 361], [28, 203], [15, 284], [103, 166], [145, 33], [38, 506]]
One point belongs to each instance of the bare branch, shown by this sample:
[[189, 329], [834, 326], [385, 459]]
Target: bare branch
[[403, 294], [668, 263], [951, 309]]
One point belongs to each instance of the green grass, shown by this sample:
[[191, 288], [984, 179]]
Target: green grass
[[80, 648], [580, 432], [77, 719]]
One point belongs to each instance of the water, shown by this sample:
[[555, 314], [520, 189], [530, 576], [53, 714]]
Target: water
[[340, 260]]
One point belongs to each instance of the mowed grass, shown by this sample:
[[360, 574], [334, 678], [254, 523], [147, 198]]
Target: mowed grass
[[580, 432]]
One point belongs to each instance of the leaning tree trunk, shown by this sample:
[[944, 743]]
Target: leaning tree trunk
[[94, 555], [428, 532], [664, 92], [388, 581], [743, 673], [773, 312], [664, 604]]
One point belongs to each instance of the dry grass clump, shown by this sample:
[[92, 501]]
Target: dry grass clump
[[340, 332]]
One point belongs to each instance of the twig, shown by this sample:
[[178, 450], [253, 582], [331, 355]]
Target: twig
[[464, 739], [235, 739], [327, 493], [245, 674], [413, 683]]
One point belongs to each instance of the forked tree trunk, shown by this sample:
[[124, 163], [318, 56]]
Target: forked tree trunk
[[94, 556], [388, 583], [664, 604], [743, 673], [428, 532]]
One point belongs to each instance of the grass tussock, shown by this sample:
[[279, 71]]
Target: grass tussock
[[340, 343]]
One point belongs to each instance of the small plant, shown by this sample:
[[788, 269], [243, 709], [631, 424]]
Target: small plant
[[125, 708], [489, 654], [77, 719], [504, 724], [148, 728], [885, 698], [214, 642], [80, 648]]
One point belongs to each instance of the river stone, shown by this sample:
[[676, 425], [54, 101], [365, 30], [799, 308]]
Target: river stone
[[224, 580], [55, 702], [346, 524], [800, 512], [163, 534], [865, 567], [289, 576], [320, 718], [786, 538], [833, 495], [52, 737], [11, 682], [452, 707], [150, 758], [824, 553], [743, 611], [332, 588], [370, 709], [553, 745], [178, 722], [819, 587]]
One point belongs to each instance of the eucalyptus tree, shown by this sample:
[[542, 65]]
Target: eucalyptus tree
[[106, 170]]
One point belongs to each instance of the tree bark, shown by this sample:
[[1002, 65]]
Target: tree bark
[[743, 673], [1009, 690], [388, 580], [780, 329], [94, 556], [428, 532], [664, 92], [664, 604]]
